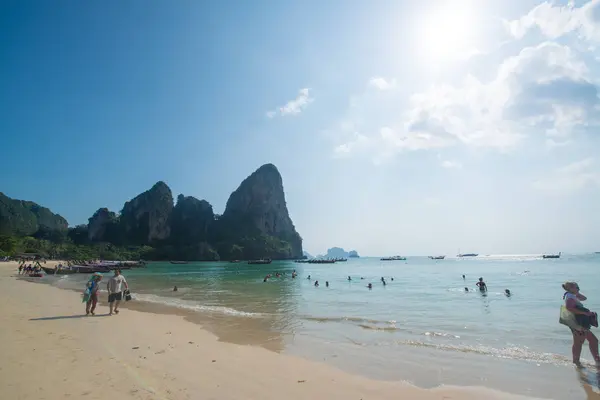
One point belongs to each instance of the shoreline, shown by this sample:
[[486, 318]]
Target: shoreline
[[162, 355]]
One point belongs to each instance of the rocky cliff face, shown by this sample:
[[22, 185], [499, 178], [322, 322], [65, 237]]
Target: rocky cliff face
[[145, 219], [19, 217], [258, 206], [99, 223], [191, 220]]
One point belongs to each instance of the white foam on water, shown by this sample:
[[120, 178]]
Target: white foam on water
[[193, 306]]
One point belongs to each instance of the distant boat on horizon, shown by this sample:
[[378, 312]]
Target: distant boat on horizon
[[467, 255], [179, 262], [437, 257], [552, 255], [394, 258]]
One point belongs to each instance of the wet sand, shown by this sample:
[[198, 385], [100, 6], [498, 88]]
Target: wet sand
[[50, 350]]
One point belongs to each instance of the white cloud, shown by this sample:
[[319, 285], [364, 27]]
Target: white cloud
[[555, 21], [293, 107], [381, 83], [451, 164], [570, 178], [545, 90], [551, 143]]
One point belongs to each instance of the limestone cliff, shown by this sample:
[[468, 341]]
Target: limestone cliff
[[258, 207], [20, 217], [145, 219], [99, 223], [191, 220]]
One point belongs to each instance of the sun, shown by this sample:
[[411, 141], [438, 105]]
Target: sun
[[447, 32]]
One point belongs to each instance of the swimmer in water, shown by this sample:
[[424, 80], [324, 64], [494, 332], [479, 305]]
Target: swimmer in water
[[308, 278], [466, 289], [349, 279], [507, 293], [174, 288], [464, 277], [482, 285], [316, 283], [392, 278], [326, 283], [370, 286]]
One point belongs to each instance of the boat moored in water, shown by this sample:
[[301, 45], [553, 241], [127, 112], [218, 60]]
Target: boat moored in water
[[261, 261], [394, 258], [437, 257], [467, 255], [552, 255]]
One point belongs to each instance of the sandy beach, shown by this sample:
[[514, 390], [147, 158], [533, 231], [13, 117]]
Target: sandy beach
[[50, 350]]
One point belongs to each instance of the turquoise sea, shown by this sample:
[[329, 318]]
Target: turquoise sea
[[421, 327]]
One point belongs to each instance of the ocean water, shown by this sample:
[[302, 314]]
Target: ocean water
[[421, 327]]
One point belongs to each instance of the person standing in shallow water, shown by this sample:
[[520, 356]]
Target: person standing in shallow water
[[115, 291], [573, 299], [482, 285]]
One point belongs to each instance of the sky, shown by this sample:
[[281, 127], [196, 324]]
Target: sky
[[399, 127]]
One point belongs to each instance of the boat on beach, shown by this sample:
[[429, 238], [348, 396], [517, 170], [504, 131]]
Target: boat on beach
[[552, 255], [74, 269], [394, 258], [437, 257]]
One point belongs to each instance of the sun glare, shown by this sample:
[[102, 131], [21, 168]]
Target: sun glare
[[447, 32]]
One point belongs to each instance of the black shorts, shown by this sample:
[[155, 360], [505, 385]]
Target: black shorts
[[115, 297]]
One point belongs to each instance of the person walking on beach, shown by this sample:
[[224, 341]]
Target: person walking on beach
[[90, 297], [115, 291], [585, 319]]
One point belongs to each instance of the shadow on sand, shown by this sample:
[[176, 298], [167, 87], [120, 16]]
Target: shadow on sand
[[67, 317]]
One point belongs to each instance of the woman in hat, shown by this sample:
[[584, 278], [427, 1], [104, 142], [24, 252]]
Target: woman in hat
[[585, 320]]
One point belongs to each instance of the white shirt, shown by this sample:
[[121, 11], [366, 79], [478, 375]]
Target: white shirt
[[115, 284]]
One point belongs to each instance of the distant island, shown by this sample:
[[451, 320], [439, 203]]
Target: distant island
[[338, 252], [256, 224]]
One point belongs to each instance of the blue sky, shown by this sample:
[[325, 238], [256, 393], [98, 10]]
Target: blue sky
[[399, 127]]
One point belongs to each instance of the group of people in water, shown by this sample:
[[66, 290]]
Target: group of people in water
[[483, 287], [480, 284]]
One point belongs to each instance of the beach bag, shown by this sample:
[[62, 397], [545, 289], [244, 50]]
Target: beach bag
[[568, 318], [127, 295], [87, 293]]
